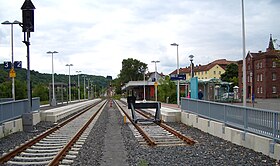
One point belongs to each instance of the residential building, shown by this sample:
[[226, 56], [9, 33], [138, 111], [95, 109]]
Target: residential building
[[262, 73], [209, 71]]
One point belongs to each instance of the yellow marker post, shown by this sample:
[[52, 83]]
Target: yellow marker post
[[124, 119]]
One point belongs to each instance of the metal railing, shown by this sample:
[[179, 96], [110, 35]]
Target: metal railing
[[14, 109], [259, 121]]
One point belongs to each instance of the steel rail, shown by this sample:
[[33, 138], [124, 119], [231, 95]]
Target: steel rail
[[75, 138], [148, 139], [28, 144], [171, 130]]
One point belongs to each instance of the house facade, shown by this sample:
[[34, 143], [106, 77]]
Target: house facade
[[262, 73], [209, 71]]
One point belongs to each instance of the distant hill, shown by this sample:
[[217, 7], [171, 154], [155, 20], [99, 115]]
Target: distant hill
[[45, 79]]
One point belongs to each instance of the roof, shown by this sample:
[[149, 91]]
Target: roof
[[221, 62]]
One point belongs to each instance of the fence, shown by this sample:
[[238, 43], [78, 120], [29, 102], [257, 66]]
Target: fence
[[14, 109], [258, 121]]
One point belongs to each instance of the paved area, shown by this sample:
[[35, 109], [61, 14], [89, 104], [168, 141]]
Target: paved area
[[269, 104]]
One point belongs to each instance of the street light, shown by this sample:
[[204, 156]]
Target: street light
[[178, 83], [53, 102], [155, 78], [244, 55], [79, 85], [88, 87], [192, 70], [69, 65], [84, 76], [12, 49]]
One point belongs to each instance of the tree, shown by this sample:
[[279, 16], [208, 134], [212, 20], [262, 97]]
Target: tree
[[231, 72], [42, 92], [131, 70], [231, 75], [167, 88]]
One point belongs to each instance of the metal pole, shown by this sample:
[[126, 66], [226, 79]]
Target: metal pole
[[144, 86], [178, 82], [69, 86], [88, 89], [53, 100], [156, 80], [29, 106], [84, 87], [79, 88], [244, 56], [12, 45]]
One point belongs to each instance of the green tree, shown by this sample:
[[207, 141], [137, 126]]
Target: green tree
[[167, 88], [231, 72], [20, 89], [131, 70], [42, 92], [231, 75]]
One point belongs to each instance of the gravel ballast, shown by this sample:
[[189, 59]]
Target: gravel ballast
[[208, 150]]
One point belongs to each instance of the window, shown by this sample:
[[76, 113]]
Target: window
[[258, 90], [258, 77], [220, 72], [274, 89], [249, 67], [260, 64], [205, 72], [198, 73], [205, 77], [214, 72], [248, 79], [273, 76], [202, 73], [261, 89], [261, 77], [273, 64]]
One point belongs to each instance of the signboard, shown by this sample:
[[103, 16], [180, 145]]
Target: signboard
[[18, 64], [156, 84], [178, 77], [7, 65], [12, 73]]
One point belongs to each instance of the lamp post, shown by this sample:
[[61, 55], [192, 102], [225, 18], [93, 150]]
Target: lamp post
[[244, 55], [192, 71], [12, 52], [53, 102], [88, 87], [155, 78], [79, 85], [84, 76], [178, 82], [69, 65], [94, 95]]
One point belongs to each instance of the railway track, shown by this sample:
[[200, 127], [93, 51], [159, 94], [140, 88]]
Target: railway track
[[59, 144], [154, 134]]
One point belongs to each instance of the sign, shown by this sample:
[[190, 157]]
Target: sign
[[12, 73], [155, 84], [178, 77], [18, 64], [7, 65]]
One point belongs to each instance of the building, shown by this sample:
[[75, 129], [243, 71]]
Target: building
[[262, 73], [137, 87], [209, 71]]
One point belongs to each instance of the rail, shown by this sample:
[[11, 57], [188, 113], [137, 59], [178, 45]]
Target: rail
[[258, 121]]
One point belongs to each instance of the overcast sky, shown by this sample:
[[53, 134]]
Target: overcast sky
[[95, 36]]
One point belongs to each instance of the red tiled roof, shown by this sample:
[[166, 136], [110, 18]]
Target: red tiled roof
[[221, 62]]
